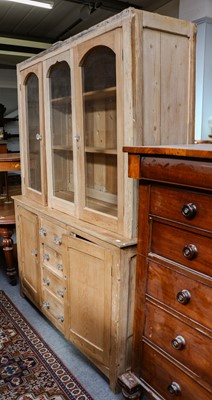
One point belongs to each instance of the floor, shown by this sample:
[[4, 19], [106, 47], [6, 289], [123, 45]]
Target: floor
[[93, 381]]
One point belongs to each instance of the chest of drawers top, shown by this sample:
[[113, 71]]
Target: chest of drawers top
[[186, 165]]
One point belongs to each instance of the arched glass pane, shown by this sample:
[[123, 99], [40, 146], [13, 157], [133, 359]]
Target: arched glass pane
[[100, 130], [33, 130], [61, 131]]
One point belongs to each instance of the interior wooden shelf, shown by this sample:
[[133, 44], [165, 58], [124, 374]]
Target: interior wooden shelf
[[100, 94], [65, 195], [59, 147], [100, 150], [62, 100], [102, 206]]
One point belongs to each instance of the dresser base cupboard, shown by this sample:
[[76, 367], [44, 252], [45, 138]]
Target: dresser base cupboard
[[120, 83], [82, 280], [172, 355]]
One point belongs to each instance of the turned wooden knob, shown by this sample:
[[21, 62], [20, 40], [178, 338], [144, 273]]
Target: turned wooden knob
[[190, 251], [178, 343], [183, 297], [189, 210], [174, 389]]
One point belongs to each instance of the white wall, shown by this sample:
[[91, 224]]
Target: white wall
[[192, 10], [200, 12]]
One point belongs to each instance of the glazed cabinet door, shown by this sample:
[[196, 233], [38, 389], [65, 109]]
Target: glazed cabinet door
[[89, 299], [58, 115], [28, 253], [33, 134], [99, 124]]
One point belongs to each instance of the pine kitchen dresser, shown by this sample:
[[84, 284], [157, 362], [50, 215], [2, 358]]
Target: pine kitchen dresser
[[122, 82]]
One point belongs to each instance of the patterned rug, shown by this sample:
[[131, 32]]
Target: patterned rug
[[29, 369]]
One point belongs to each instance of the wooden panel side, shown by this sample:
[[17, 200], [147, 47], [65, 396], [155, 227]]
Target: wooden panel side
[[175, 88], [151, 106]]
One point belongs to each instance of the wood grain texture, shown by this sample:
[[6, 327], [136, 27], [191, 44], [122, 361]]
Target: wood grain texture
[[173, 277]]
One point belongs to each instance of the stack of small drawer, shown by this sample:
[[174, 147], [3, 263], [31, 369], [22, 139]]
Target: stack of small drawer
[[53, 278]]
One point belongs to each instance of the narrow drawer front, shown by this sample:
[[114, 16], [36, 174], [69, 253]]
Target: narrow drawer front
[[181, 246], [53, 260], [187, 345], [168, 380], [182, 206], [51, 233], [53, 309], [53, 284], [171, 288]]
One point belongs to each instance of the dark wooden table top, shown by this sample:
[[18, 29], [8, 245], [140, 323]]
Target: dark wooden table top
[[7, 214]]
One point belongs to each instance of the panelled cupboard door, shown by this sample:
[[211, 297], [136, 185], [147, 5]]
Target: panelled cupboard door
[[89, 299], [99, 124], [59, 118], [32, 140], [28, 257]]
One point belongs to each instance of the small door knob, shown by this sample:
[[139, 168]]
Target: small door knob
[[190, 251], [189, 210], [178, 343], [183, 297], [174, 389], [38, 136]]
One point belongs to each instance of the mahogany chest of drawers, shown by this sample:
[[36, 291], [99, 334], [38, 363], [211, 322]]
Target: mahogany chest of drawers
[[172, 353]]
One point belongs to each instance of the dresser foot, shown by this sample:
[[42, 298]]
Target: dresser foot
[[131, 387]]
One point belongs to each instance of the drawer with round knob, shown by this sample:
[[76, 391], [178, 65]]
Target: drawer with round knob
[[185, 295], [181, 246], [169, 381], [51, 234], [187, 345], [53, 260], [186, 207], [54, 284], [52, 307]]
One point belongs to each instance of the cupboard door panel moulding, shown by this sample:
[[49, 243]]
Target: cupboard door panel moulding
[[28, 255], [90, 285], [33, 149]]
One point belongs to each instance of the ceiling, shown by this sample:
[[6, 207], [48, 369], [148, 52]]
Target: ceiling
[[27, 30]]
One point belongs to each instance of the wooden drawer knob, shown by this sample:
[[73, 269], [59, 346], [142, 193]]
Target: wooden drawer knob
[[189, 210], [174, 389], [183, 297], [178, 343], [190, 251]]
